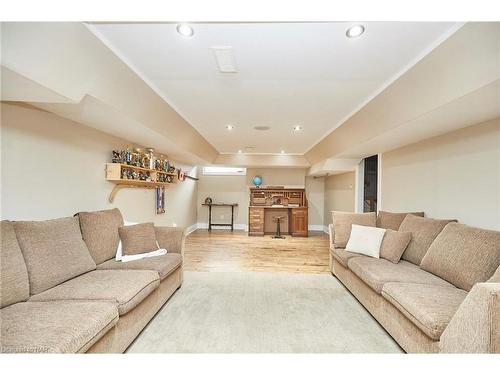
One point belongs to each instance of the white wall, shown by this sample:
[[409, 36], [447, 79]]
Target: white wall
[[456, 175], [315, 193], [339, 194], [235, 189], [54, 167], [288, 177], [226, 189]]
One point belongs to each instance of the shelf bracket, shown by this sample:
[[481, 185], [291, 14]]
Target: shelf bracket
[[118, 187], [115, 190]]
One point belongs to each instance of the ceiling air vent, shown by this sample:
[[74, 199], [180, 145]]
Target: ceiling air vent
[[225, 59], [262, 128]]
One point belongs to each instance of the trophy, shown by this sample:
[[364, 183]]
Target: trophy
[[151, 158], [128, 156], [116, 156]]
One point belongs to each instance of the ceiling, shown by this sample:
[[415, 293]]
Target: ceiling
[[396, 85], [307, 74]]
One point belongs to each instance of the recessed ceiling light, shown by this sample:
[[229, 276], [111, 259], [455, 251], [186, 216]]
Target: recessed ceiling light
[[229, 127], [355, 31], [239, 151], [297, 128], [185, 30]]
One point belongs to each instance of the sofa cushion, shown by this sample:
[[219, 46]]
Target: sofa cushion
[[126, 288], [393, 220], [100, 232], [54, 251], [138, 239], [55, 327], [342, 222], [429, 307], [377, 272], [164, 264], [342, 255], [424, 231], [463, 255], [14, 282], [394, 245]]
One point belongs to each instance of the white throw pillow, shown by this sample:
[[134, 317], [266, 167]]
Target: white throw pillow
[[365, 240], [154, 253]]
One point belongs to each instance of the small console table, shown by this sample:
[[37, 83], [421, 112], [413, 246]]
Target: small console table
[[210, 224]]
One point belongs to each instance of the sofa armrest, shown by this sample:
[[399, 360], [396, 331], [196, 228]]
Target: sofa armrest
[[171, 238], [475, 327], [331, 234]]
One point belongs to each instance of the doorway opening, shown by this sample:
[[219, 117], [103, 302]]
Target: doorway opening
[[370, 187]]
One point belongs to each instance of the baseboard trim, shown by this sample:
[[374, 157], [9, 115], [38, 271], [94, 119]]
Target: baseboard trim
[[191, 229], [236, 227], [316, 228]]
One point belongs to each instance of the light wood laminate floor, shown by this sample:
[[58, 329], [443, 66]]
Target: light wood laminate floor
[[226, 251]]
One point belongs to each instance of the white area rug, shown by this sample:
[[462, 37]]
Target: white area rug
[[254, 312]]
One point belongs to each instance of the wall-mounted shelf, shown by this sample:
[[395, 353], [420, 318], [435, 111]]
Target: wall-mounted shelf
[[114, 173]]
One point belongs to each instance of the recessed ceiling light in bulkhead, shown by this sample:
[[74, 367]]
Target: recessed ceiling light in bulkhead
[[355, 31], [185, 30]]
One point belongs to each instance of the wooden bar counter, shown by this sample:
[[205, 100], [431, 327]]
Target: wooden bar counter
[[267, 203]]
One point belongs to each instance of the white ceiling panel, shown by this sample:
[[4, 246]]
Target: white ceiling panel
[[287, 74]]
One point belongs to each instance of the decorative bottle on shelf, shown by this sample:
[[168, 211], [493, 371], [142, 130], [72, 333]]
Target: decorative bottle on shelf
[[137, 157], [151, 158], [128, 156]]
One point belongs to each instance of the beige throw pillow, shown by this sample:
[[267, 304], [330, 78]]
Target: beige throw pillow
[[424, 230], [342, 223], [393, 220], [138, 239], [100, 232], [394, 244]]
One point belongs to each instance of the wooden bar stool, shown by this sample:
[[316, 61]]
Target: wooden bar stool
[[278, 219]]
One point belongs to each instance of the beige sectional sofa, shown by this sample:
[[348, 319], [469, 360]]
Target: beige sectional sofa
[[442, 296], [63, 292]]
